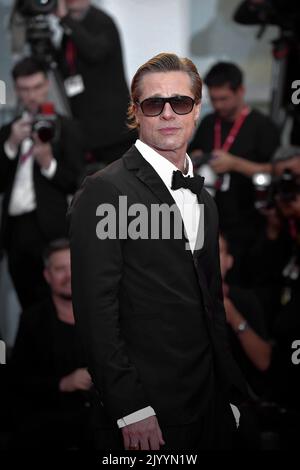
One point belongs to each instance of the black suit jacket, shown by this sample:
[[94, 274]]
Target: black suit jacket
[[102, 107], [51, 194], [151, 313]]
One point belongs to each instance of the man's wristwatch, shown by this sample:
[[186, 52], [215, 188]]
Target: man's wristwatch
[[242, 326]]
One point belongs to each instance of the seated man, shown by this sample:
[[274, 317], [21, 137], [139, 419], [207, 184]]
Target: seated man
[[281, 250], [277, 246], [35, 178], [50, 384], [287, 323]]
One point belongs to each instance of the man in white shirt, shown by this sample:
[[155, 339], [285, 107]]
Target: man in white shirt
[[146, 292], [36, 178]]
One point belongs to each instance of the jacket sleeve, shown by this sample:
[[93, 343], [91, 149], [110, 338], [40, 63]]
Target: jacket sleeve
[[69, 155], [93, 45], [7, 166], [97, 266]]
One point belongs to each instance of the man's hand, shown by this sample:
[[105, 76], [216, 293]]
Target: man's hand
[[61, 10], [80, 379], [143, 435], [292, 164], [42, 152], [223, 161], [20, 130]]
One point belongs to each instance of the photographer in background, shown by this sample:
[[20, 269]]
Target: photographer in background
[[284, 13], [276, 195], [278, 252], [286, 51], [246, 324], [36, 177], [250, 345], [240, 141], [91, 62]]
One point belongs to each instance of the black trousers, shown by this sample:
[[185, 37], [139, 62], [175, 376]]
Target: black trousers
[[25, 259]]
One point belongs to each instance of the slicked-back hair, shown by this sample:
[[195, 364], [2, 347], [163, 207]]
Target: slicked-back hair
[[163, 63]]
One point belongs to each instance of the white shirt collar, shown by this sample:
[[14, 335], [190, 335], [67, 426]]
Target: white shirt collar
[[163, 167]]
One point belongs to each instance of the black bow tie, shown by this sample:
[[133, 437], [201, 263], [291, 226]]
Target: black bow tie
[[195, 183]]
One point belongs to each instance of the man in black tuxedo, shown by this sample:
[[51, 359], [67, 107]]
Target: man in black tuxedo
[[147, 296], [35, 178], [90, 60]]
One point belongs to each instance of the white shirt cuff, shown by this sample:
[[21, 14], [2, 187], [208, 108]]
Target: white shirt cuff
[[50, 171], [136, 416], [236, 414], [9, 151]]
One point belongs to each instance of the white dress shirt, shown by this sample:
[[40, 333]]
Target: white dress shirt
[[189, 207]]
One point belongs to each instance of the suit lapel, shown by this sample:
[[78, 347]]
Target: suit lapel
[[145, 172]]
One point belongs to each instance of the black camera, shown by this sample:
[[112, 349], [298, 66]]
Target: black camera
[[44, 123], [37, 30], [287, 187], [269, 189], [36, 7]]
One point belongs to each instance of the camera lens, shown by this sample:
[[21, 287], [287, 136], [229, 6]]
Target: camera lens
[[41, 3], [261, 182], [45, 130], [36, 7]]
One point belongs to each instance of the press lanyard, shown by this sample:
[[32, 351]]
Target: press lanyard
[[233, 131], [71, 56]]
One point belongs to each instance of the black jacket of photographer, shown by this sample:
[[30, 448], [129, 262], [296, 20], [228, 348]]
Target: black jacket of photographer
[[51, 194], [256, 141], [102, 107]]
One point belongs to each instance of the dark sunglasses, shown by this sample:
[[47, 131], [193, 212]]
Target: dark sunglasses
[[154, 106]]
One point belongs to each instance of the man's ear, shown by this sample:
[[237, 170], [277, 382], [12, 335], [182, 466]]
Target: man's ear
[[197, 112], [135, 111]]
